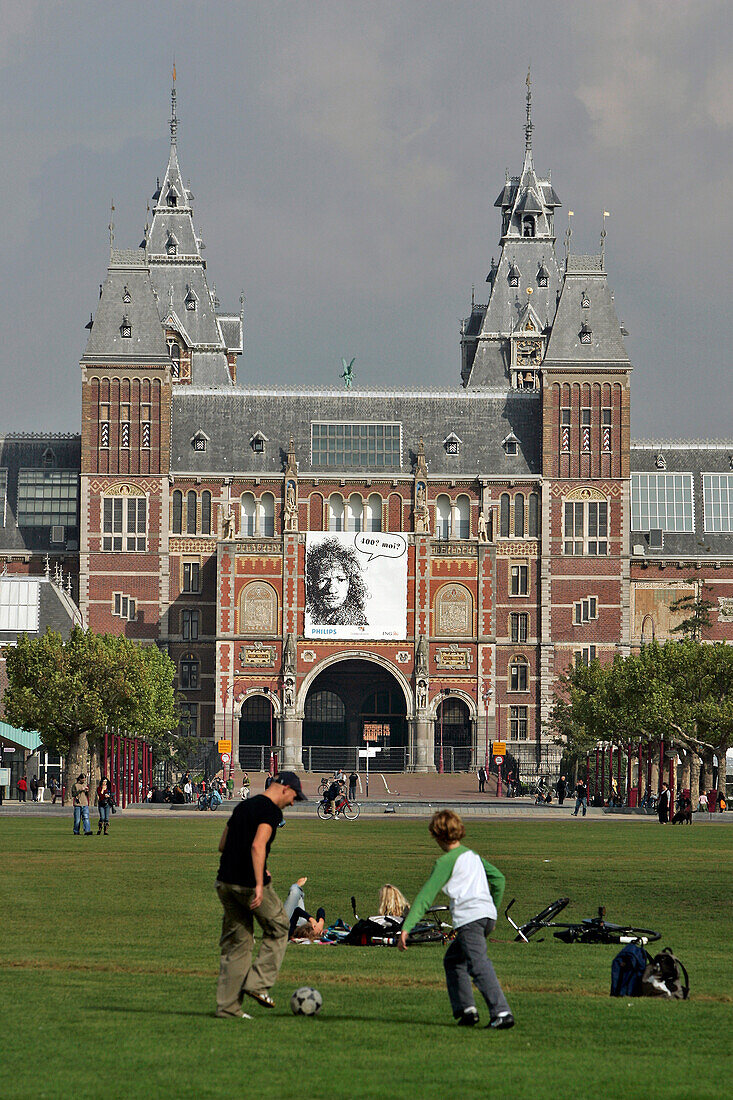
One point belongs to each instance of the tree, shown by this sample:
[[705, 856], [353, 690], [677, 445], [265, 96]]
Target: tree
[[696, 610], [72, 692]]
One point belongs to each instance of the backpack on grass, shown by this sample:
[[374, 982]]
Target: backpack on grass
[[627, 971], [665, 976]]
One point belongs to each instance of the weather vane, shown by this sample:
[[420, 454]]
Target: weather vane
[[348, 374]]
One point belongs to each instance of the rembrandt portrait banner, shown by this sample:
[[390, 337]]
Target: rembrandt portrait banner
[[355, 585]]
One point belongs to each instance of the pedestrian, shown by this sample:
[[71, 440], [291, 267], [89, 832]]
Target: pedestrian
[[244, 790], [230, 786], [562, 788], [104, 800], [581, 797], [712, 800], [80, 800], [34, 788], [481, 773], [475, 889], [22, 786], [188, 789], [353, 780], [244, 886], [663, 804], [268, 780]]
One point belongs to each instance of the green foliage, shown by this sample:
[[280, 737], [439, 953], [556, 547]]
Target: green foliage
[[696, 610], [71, 692]]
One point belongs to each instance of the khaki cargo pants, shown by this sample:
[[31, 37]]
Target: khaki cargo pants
[[236, 972]]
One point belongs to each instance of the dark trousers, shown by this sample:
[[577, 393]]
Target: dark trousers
[[466, 958]]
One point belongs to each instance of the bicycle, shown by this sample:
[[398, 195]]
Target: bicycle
[[341, 806], [589, 930]]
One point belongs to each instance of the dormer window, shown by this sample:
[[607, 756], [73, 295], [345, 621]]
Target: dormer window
[[172, 197], [257, 443], [514, 275], [49, 459], [452, 444], [126, 296], [528, 226], [126, 328], [585, 301], [171, 245], [200, 441], [175, 354], [190, 300], [543, 275], [510, 444], [586, 333], [660, 462]]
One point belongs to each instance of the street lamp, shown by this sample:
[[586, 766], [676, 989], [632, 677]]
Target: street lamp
[[487, 699]]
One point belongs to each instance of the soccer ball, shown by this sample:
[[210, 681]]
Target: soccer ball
[[306, 1001]]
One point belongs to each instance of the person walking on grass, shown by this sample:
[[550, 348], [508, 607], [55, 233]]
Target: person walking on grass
[[80, 800], [665, 799], [104, 799], [581, 797], [562, 789], [475, 889], [245, 891]]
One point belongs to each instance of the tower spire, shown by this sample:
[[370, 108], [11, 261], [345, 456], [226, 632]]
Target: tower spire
[[528, 124], [174, 119]]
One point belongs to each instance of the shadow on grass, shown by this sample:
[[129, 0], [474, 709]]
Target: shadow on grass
[[409, 1021]]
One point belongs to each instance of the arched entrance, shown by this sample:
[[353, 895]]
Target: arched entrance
[[454, 734], [351, 704]]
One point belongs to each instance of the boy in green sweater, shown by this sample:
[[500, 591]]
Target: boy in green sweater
[[475, 889]]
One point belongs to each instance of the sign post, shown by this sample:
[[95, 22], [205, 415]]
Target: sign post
[[368, 754], [499, 749]]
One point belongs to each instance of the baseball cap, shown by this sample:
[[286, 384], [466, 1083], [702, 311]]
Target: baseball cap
[[290, 779]]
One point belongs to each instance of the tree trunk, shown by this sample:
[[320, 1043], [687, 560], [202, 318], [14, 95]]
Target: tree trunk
[[75, 761], [706, 775], [95, 772], [722, 767], [686, 768], [695, 780]]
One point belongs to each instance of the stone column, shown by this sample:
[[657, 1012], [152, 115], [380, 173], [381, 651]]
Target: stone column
[[292, 742], [424, 755]]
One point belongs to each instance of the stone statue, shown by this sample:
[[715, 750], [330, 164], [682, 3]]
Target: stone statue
[[422, 695], [348, 375], [483, 531], [421, 656], [422, 515], [229, 524], [291, 508], [289, 693]]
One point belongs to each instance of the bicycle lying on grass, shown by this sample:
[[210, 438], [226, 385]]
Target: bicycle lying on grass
[[590, 930]]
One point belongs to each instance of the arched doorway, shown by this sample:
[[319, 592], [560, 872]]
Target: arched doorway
[[454, 733], [354, 703]]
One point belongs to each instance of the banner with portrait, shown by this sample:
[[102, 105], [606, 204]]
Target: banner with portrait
[[355, 585]]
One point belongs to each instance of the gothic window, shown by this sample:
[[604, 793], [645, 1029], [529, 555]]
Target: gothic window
[[518, 626], [585, 416], [190, 300], [249, 515], [126, 329], [189, 624], [543, 275], [648, 630], [177, 511], [266, 515], [335, 513], [519, 516], [126, 296], [565, 417], [175, 353], [519, 674], [606, 415], [528, 226], [354, 513], [191, 576], [124, 523], [191, 513], [586, 528], [374, 513], [585, 301], [518, 578], [189, 673], [462, 525], [504, 512], [517, 723], [258, 609], [442, 517], [145, 413], [206, 513], [325, 706], [513, 275], [171, 245], [586, 333], [454, 611], [104, 426], [534, 515]]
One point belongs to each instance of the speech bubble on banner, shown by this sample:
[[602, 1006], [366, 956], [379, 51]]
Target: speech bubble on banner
[[380, 544]]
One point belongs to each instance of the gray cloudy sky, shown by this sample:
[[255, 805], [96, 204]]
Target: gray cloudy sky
[[345, 158]]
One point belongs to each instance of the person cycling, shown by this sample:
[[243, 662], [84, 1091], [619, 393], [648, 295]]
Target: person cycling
[[334, 789]]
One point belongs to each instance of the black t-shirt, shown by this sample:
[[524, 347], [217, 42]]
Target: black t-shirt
[[235, 865]]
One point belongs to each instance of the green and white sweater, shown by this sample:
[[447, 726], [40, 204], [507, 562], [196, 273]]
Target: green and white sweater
[[474, 888]]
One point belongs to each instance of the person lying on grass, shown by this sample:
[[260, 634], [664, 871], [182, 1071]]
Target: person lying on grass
[[302, 924], [475, 889]]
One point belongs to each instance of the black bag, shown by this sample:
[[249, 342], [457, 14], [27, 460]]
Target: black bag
[[665, 976], [627, 971], [365, 931]]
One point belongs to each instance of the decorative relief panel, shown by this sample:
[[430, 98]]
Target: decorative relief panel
[[453, 658], [403, 657], [453, 550], [192, 546], [725, 609], [454, 610], [258, 609], [258, 655], [258, 546], [308, 656]]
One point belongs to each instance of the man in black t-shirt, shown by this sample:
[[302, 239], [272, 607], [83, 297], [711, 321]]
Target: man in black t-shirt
[[245, 890]]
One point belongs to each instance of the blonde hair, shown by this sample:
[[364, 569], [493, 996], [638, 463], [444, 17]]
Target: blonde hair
[[447, 827], [392, 902]]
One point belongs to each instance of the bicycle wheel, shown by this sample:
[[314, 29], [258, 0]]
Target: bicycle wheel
[[540, 921], [322, 812], [626, 933], [351, 811], [594, 932]]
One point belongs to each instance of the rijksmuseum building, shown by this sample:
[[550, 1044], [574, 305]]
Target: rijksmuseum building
[[415, 566]]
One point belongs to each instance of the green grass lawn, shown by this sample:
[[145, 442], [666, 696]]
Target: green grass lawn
[[108, 963]]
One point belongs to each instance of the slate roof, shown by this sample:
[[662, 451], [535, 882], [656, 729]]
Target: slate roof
[[27, 451], [481, 420], [689, 457], [127, 276], [585, 277]]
